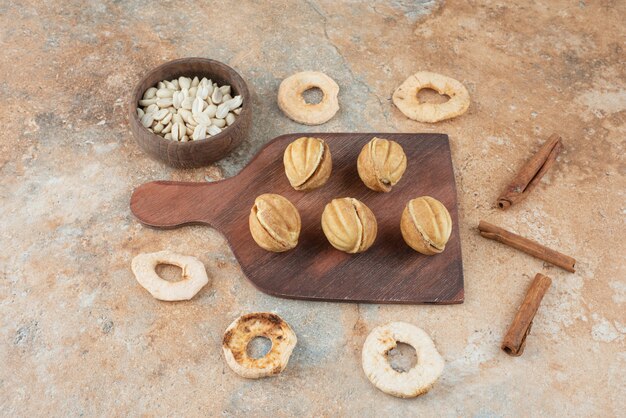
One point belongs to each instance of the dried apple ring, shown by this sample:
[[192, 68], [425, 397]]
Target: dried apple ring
[[259, 324], [414, 382], [292, 103], [405, 97], [194, 275]]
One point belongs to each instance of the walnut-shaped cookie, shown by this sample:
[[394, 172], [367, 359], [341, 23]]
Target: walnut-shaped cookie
[[381, 164], [349, 225], [426, 225], [308, 163], [274, 223]]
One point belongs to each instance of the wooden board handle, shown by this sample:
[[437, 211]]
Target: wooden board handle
[[170, 204]]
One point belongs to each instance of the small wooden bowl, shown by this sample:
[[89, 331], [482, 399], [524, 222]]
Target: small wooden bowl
[[193, 153]]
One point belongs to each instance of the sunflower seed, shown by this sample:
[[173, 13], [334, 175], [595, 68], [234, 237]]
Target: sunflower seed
[[202, 118], [140, 112], [169, 85], [220, 123], [230, 119], [161, 93], [210, 110], [222, 111], [185, 138], [235, 102], [167, 117], [177, 99], [226, 97], [160, 85], [167, 129], [168, 136], [176, 131], [237, 111], [187, 103], [203, 92], [147, 120], [205, 82], [147, 102], [177, 118], [199, 132], [198, 105], [184, 82], [164, 102], [184, 114], [160, 114], [193, 91], [213, 130], [175, 83], [192, 121], [195, 82], [225, 89], [216, 97], [188, 131], [150, 93], [153, 108], [158, 128]]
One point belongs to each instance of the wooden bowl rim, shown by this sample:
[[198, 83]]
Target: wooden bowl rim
[[134, 104]]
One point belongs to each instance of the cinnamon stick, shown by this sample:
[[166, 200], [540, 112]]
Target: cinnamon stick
[[515, 339], [533, 248], [531, 173]]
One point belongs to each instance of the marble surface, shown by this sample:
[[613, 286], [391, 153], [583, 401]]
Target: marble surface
[[80, 337]]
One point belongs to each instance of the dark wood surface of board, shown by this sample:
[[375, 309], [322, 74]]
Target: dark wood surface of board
[[389, 272]]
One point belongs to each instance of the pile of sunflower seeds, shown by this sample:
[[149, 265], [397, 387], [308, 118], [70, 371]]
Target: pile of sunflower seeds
[[186, 109]]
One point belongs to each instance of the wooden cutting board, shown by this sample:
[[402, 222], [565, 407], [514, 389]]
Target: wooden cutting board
[[389, 272]]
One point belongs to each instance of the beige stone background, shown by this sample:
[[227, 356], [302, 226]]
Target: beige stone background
[[79, 336]]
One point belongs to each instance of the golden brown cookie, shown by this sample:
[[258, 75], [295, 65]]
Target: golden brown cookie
[[308, 163], [426, 225], [349, 225], [381, 164], [274, 223]]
